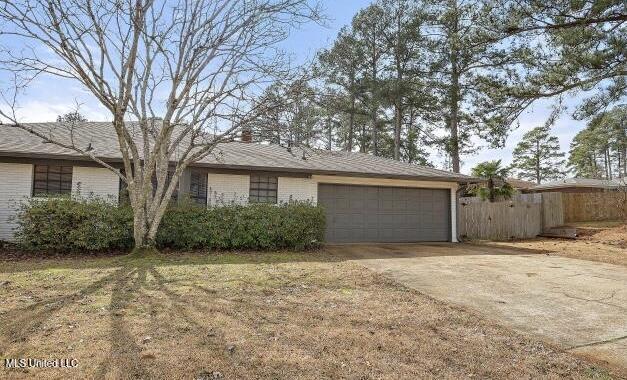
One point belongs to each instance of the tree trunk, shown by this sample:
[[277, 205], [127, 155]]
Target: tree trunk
[[399, 98], [141, 230], [538, 179], [397, 133], [606, 158], [362, 146], [374, 107], [453, 123], [329, 133], [375, 133], [491, 189], [351, 126], [454, 95]]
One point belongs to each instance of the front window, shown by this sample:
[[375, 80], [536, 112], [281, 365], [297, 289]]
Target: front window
[[52, 180], [168, 179], [263, 189], [198, 188], [123, 192]]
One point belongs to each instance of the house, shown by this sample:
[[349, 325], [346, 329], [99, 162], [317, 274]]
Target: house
[[579, 185], [367, 198], [520, 185]]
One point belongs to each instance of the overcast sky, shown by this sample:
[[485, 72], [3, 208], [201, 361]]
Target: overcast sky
[[48, 98]]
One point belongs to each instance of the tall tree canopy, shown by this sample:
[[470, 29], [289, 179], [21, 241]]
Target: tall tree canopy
[[600, 150], [473, 73], [577, 45], [537, 157]]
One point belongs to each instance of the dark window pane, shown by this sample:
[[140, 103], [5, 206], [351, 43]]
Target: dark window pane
[[54, 185], [48, 179], [198, 187], [41, 176], [263, 189]]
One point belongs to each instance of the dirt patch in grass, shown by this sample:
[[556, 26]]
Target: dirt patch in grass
[[603, 242], [614, 236], [251, 316]]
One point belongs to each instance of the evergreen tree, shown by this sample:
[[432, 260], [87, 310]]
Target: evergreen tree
[[576, 45], [368, 27], [339, 67], [583, 159], [473, 73], [600, 150], [537, 157]]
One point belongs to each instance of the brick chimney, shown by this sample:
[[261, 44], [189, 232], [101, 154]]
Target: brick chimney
[[247, 135]]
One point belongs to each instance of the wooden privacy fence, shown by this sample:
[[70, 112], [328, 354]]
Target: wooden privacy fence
[[584, 207], [523, 216]]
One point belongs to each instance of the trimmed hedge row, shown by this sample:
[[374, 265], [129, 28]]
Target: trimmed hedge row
[[64, 224], [70, 225]]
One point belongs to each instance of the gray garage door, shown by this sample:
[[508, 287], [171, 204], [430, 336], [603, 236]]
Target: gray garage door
[[385, 214]]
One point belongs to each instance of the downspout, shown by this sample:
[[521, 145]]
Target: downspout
[[455, 236]]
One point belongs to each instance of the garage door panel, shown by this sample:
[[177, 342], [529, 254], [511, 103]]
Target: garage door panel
[[385, 214]]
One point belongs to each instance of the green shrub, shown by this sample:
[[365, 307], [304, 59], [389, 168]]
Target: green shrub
[[64, 224], [294, 225], [93, 225]]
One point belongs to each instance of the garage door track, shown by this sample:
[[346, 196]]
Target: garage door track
[[579, 305]]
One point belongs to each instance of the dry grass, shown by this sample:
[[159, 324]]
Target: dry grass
[[250, 316], [598, 241]]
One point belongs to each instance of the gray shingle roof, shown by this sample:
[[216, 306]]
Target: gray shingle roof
[[581, 182], [233, 155]]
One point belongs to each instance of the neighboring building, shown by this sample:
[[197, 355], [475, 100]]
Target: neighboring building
[[520, 185], [367, 198], [579, 185]]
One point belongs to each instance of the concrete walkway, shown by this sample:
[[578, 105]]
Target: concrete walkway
[[578, 305]]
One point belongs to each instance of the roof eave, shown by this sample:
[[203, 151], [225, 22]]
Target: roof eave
[[70, 157]]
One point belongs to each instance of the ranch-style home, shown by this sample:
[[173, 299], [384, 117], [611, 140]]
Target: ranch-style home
[[366, 198]]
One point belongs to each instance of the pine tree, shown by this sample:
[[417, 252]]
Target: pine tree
[[574, 44], [339, 67], [537, 156], [600, 150], [473, 73]]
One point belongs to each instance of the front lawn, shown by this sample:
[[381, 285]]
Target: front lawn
[[282, 315]]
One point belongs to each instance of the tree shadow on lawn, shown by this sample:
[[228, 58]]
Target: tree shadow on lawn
[[127, 284], [138, 286], [326, 254]]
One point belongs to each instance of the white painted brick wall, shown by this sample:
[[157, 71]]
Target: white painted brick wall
[[15, 185], [227, 189], [297, 189], [89, 182]]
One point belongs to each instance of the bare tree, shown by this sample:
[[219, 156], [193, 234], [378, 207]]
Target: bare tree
[[170, 72]]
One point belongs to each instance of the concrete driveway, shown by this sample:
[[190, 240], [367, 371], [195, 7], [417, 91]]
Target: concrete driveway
[[579, 305]]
